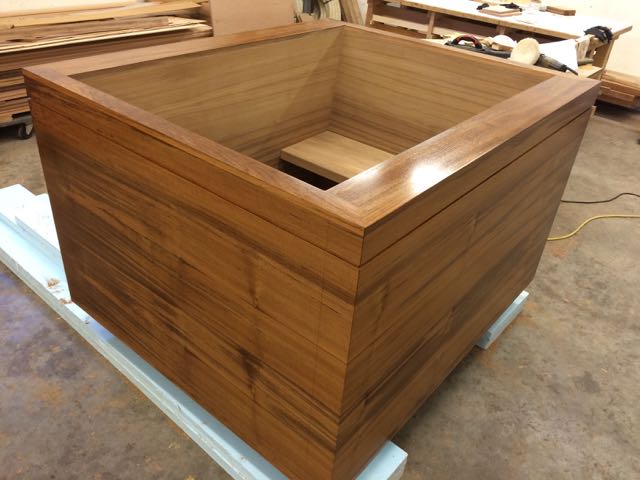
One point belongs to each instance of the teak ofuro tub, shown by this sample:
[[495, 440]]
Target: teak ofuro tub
[[211, 215]]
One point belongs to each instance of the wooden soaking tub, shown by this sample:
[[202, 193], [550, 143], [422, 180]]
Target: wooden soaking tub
[[305, 228]]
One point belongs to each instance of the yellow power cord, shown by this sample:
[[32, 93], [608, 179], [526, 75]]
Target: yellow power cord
[[583, 224]]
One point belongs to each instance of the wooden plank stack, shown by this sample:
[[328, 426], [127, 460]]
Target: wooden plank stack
[[620, 89], [40, 36]]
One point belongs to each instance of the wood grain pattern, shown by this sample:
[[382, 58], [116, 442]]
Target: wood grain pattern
[[229, 306], [390, 95], [405, 291], [433, 173], [313, 323], [12, 94], [291, 92], [477, 291], [103, 61]]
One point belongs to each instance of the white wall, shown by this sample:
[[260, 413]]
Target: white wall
[[625, 56]]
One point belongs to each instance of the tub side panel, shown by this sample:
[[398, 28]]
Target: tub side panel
[[250, 320], [399, 195], [423, 303]]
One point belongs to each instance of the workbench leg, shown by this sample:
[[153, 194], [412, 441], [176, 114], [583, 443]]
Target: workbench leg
[[601, 57], [369, 15], [432, 22]]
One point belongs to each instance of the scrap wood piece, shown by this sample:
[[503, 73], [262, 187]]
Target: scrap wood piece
[[138, 9], [559, 10], [501, 11]]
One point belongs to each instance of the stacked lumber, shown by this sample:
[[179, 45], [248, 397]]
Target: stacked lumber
[[620, 89], [33, 37]]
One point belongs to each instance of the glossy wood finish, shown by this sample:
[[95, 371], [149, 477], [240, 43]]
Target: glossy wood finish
[[312, 323], [424, 302]]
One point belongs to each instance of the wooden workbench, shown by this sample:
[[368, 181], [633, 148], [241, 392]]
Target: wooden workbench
[[423, 17]]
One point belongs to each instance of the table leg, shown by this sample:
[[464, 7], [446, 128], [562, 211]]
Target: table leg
[[369, 15], [601, 57], [432, 21]]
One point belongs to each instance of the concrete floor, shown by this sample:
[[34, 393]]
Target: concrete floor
[[556, 397]]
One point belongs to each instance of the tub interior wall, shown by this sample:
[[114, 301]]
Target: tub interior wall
[[394, 97], [255, 98], [371, 87]]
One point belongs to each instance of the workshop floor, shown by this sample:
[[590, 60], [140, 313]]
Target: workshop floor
[[556, 397]]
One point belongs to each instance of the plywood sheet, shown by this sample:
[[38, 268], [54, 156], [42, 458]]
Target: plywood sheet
[[234, 16]]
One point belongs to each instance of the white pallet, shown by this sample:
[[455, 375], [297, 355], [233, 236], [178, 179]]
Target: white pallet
[[503, 321], [29, 247]]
